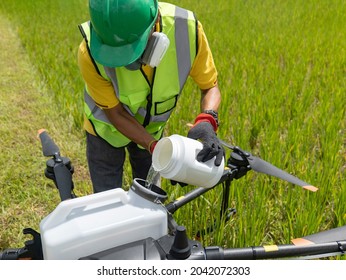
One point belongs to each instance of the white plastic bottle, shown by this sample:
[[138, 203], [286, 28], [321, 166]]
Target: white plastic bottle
[[174, 157], [86, 225]]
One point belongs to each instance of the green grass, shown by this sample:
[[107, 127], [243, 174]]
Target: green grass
[[282, 73], [26, 105]]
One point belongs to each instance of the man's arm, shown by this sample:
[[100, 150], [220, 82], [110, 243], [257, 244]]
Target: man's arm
[[210, 99], [129, 126]]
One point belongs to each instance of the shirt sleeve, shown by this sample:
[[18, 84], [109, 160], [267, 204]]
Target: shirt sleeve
[[203, 70], [100, 89]]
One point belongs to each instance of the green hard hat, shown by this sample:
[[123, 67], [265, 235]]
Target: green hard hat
[[120, 29]]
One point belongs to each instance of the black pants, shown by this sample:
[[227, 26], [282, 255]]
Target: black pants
[[106, 163]]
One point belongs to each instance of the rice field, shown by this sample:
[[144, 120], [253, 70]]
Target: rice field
[[282, 74]]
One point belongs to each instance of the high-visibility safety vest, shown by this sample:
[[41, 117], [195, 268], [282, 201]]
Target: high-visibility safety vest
[[151, 104]]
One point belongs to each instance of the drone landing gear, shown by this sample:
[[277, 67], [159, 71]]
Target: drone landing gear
[[238, 167], [226, 215]]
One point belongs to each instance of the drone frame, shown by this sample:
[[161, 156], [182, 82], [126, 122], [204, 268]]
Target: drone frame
[[176, 245]]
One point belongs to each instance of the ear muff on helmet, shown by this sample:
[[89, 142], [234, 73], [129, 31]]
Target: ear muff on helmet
[[120, 29], [155, 50]]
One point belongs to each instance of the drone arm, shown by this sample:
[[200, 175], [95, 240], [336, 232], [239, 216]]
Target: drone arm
[[228, 174], [275, 251], [175, 205]]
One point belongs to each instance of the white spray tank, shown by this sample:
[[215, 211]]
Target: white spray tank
[[174, 157], [86, 225]]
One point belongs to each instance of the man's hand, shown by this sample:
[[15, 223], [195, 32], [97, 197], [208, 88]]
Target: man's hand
[[204, 131]]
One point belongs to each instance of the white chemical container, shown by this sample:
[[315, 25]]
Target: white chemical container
[[90, 224], [174, 157]]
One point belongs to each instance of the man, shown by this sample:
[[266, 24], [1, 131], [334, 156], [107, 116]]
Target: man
[[135, 58]]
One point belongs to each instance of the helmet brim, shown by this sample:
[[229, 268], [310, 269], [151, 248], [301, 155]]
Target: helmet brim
[[118, 56]]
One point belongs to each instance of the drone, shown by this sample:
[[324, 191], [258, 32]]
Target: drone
[[173, 243]]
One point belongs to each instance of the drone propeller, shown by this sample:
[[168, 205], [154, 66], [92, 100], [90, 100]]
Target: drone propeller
[[49, 148], [59, 168], [63, 178], [335, 234], [260, 165]]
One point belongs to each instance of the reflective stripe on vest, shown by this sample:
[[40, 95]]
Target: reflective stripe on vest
[[134, 91]]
